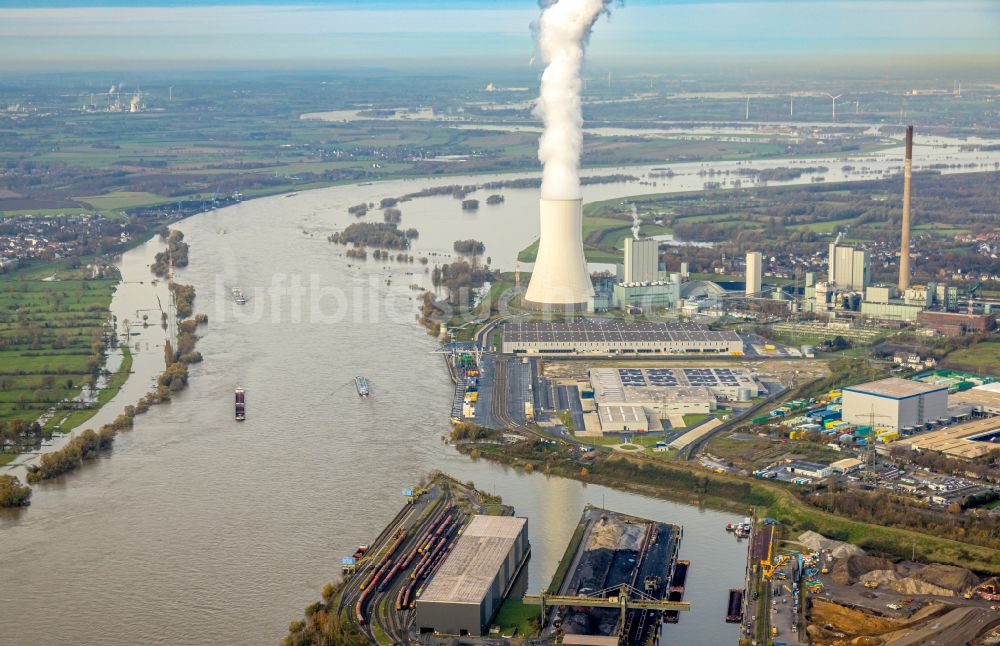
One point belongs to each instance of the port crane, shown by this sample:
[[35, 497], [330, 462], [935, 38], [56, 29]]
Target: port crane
[[624, 597]]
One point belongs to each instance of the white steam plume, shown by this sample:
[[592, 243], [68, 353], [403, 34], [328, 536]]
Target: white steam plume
[[563, 30], [636, 222]]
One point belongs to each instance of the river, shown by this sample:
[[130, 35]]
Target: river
[[200, 530]]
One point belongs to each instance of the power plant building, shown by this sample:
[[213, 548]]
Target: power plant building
[[660, 294], [465, 593], [895, 404], [609, 337], [849, 268], [755, 272], [642, 261]]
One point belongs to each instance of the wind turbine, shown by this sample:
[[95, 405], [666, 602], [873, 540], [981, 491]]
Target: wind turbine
[[834, 99]]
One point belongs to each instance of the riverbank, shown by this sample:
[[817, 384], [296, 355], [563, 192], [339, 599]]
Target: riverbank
[[684, 482], [170, 378], [56, 339]]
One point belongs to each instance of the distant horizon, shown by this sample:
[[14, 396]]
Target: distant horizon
[[641, 34]]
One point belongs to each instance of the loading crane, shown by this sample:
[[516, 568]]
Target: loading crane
[[624, 597]]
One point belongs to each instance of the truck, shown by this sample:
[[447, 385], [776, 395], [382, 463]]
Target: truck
[[529, 411]]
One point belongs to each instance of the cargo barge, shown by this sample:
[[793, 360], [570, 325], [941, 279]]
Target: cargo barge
[[615, 554], [676, 590], [241, 405], [362, 385], [734, 609]]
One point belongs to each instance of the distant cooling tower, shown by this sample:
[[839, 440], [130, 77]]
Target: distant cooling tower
[[560, 278]]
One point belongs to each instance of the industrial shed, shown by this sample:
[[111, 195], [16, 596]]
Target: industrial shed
[[472, 582], [610, 337], [895, 404]]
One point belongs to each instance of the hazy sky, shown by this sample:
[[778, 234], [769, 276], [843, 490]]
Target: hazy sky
[[53, 33]]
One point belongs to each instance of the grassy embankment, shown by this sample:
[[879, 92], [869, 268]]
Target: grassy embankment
[[51, 344], [982, 358], [686, 482]]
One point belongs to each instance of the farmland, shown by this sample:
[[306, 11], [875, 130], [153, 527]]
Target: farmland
[[52, 343]]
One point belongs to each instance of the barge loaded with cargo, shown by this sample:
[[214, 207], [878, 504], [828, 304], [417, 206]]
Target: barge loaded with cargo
[[619, 560], [676, 590], [734, 609], [241, 405]]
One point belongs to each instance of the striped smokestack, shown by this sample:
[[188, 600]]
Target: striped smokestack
[[904, 242]]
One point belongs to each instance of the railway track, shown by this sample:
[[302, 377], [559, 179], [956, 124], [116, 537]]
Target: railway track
[[500, 405], [386, 569]]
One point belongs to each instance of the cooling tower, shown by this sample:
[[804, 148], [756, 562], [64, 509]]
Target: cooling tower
[[904, 242], [560, 278]]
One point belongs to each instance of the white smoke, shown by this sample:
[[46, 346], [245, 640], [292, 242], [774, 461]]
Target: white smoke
[[563, 30], [636, 222]]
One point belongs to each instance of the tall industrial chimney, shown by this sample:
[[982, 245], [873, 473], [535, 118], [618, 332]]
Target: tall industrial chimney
[[559, 278], [904, 242]]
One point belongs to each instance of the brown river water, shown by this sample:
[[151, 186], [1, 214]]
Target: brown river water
[[200, 530]]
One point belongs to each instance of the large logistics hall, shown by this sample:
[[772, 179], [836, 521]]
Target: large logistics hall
[[471, 584], [610, 337], [895, 404]]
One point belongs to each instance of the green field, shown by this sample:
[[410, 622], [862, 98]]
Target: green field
[[50, 340], [982, 358]]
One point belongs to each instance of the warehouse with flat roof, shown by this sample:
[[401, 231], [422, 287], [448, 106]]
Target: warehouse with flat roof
[[611, 337], [465, 593], [895, 404], [963, 441], [663, 392]]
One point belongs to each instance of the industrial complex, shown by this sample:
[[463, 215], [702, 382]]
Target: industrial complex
[[636, 399]]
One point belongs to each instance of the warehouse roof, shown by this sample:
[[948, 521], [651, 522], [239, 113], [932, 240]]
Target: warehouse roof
[[984, 397], [895, 388], [634, 415], [468, 572], [667, 385], [960, 441], [610, 331]]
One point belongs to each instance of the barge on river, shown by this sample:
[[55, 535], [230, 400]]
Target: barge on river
[[241, 405]]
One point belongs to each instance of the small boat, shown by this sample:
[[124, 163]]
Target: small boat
[[238, 296], [292, 194], [241, 405], [362, 385]]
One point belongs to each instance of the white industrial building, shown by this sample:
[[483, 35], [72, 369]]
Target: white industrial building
[[623, 418], [895, 404], [755, 272], [610, 337], [642, 261], [848, 268], [627, 398], [465, 593]]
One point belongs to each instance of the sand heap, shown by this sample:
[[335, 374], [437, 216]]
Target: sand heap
[[937, 579], [838, 549], [849, 571], [604, 534]]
